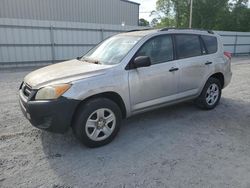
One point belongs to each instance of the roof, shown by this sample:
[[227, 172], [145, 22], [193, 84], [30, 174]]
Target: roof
[[132, 2], [112, 12]]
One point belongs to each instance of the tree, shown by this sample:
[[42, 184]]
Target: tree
[[240, 16], [231, 15], [143, 22], [154, 22], [174, 9], [165, 22], [207, 13]]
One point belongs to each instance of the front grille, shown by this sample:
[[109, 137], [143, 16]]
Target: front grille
[[26, 89]]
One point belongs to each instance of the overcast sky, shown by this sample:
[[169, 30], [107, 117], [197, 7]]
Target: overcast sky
[[146, 7]]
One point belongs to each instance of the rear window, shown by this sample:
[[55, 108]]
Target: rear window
[[188, 46], [210, 43]]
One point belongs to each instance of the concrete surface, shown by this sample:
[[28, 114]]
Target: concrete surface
[[177, 146]]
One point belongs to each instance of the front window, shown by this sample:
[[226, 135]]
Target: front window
[[159, 49], [112, 50]]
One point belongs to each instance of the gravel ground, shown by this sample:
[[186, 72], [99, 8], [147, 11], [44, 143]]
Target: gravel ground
[[177, 146]]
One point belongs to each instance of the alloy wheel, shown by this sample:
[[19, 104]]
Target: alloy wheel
[[212, 94], [100, 124]]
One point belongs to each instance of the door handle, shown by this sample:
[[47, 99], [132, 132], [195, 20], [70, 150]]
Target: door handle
[[208, 63], [173, 69]]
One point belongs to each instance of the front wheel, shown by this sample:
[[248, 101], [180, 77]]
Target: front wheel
[[210, 95], [97, 122]]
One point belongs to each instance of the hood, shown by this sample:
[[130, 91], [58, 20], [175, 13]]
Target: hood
[[63, 73]]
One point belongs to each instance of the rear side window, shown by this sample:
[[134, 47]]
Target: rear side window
[[210, 43], [187, 46]]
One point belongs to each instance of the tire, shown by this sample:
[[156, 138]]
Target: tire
[[97, 122], [210, 95]]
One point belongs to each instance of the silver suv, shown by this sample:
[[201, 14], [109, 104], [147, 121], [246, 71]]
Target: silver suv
[[124, 75]]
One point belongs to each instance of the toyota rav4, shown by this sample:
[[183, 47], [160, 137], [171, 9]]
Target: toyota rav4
[[124, 75]]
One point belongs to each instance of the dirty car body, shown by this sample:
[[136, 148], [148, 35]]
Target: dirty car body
[[164, 81]]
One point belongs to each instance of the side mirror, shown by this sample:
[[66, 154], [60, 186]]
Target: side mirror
[[78, 58], [142, 61]]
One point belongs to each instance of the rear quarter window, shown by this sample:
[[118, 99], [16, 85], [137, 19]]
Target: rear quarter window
[[210, 43]]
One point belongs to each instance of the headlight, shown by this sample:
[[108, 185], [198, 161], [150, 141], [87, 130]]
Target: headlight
[[52, 92]]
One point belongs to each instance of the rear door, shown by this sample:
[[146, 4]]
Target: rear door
[[211, 47], [191, 62]]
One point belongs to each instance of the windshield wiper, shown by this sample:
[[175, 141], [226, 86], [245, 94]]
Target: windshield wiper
[[91, 60]]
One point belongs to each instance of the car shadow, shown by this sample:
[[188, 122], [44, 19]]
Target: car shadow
[[166, 134]]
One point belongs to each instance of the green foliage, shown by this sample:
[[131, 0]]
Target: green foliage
[[170, 22], [143, 22], [174, 12], [231, 15], [240, 17], [207, 13]]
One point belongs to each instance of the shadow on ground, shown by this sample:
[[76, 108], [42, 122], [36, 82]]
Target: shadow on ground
[[159, 141]]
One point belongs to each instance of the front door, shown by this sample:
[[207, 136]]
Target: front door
[[157, 83]]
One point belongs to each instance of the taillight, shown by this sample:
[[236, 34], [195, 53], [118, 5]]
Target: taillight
[[228, 54]]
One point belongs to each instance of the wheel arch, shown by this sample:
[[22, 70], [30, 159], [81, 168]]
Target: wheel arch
[[220, 77], [113, 96], [217, 75]]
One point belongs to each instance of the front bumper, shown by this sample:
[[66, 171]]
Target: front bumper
[[51, 115]]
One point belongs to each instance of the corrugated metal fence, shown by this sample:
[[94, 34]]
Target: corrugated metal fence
[[29, 42], [238, 43]]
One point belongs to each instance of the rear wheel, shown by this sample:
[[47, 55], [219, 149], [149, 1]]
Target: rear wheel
[[97, 122], [210, 95]]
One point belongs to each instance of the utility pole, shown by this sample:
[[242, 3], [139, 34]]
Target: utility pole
[[191, 14]]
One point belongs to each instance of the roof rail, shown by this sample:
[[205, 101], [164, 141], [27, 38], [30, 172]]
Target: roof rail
[[169, 28], [139, 30]]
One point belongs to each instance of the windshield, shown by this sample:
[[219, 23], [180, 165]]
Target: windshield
[[112, 50]]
